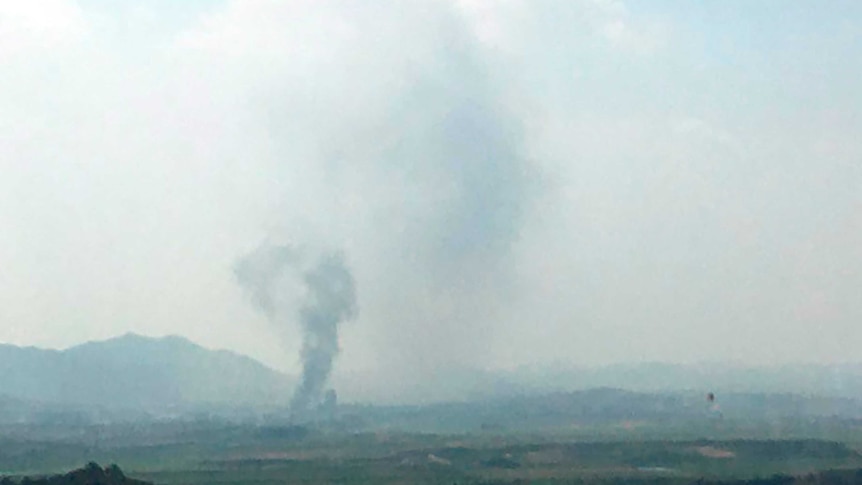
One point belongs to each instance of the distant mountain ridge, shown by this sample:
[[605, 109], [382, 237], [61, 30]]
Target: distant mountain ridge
[[171, 376], [833, 381], [138, 373], [827, 380]]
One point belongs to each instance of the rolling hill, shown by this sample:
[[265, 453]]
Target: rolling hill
[[137, 373]]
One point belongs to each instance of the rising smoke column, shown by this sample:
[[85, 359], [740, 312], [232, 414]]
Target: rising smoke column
[[331, 300], [422, 165], [273, 275]]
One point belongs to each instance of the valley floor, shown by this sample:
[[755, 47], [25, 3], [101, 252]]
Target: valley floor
[[238, 455]]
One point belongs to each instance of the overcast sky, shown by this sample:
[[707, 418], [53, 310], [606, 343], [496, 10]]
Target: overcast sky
[[513, 182]]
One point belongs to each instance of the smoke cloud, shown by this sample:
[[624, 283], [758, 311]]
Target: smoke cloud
[[288, 286]]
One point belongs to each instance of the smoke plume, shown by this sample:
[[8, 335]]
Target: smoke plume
[[318, 294]]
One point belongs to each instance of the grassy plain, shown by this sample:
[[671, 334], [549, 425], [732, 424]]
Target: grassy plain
[[621, 452]]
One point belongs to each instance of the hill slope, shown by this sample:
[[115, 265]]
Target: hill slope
[[138, 373]]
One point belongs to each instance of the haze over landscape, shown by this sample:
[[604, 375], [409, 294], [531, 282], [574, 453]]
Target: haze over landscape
[[463, 242], [529, 185]]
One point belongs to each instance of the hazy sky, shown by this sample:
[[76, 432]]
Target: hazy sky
[[512, 182]]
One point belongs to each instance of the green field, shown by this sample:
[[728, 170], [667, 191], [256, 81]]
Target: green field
[[623, 452]]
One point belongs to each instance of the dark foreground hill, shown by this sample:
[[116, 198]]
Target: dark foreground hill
[[135, 373], [92, 474]]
